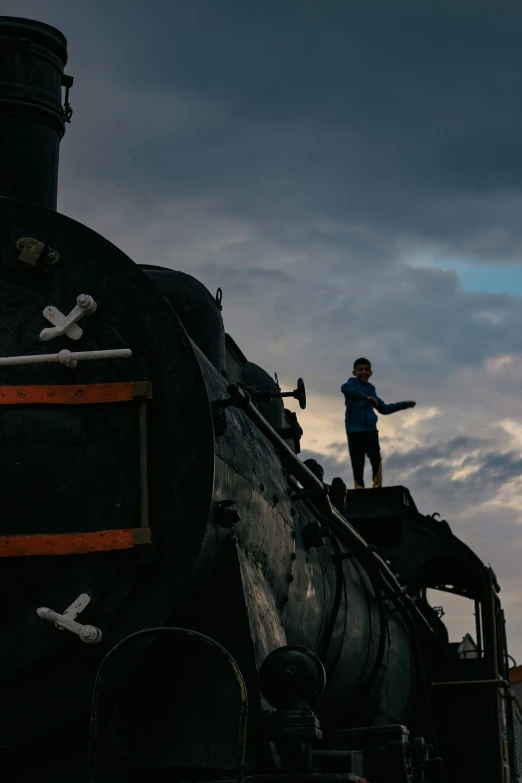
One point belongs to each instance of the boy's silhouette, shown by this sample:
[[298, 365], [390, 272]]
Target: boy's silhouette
[[361, 422]]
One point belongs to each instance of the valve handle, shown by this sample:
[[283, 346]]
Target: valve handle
[[85, 305], [298, 394], [87, 633]]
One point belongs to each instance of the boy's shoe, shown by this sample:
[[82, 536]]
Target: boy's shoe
[[377, 481]]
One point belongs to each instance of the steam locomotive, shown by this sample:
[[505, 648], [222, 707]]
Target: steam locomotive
[[183, 598]]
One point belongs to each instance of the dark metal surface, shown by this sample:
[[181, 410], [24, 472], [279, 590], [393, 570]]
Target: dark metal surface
[[169, 632], [272, 408], [66, 469], [197, 309], [32, 122]]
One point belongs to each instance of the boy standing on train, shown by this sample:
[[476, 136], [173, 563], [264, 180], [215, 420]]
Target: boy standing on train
[[361, 422]]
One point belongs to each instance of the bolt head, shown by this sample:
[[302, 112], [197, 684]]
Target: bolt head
[[52, 256], [90, 634], [64, 357]]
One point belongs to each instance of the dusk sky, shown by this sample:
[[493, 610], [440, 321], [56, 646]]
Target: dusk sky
[[350, 173]]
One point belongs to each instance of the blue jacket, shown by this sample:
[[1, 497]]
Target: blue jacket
[[360, 414]]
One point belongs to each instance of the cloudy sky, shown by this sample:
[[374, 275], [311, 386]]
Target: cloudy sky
[[351, 175]]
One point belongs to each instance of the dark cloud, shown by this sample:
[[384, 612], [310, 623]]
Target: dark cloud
[[429, 469], [400, 117], [394, 115], [347, 140], [429, 472], [418, 458]]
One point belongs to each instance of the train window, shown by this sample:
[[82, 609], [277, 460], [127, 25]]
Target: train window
[[457, 612]]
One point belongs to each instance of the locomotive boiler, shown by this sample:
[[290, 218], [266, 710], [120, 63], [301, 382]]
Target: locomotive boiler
[[251, 620]]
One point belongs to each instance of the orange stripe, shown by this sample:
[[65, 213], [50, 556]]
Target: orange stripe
[[70, 394], [73, 543]]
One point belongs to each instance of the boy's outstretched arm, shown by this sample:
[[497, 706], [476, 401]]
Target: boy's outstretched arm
[[393, 407], [349, 389]]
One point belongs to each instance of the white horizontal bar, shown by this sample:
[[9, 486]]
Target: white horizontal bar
[[65, 357]]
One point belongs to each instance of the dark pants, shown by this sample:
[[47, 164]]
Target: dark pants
[[360, 446]]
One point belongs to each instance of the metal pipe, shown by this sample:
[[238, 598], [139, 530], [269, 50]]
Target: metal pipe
[[478, 629], [500, 683], [65, 357], [144, 473]]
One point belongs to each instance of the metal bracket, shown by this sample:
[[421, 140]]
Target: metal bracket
[[67, 82], [85, 305], [31, 251]]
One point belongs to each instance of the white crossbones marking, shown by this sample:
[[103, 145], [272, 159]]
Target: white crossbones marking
[[55, 317], [85, 305]]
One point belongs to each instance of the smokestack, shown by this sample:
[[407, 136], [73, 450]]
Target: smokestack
[[32, 120]]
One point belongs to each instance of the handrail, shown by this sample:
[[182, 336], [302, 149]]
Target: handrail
[[239, 398]]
